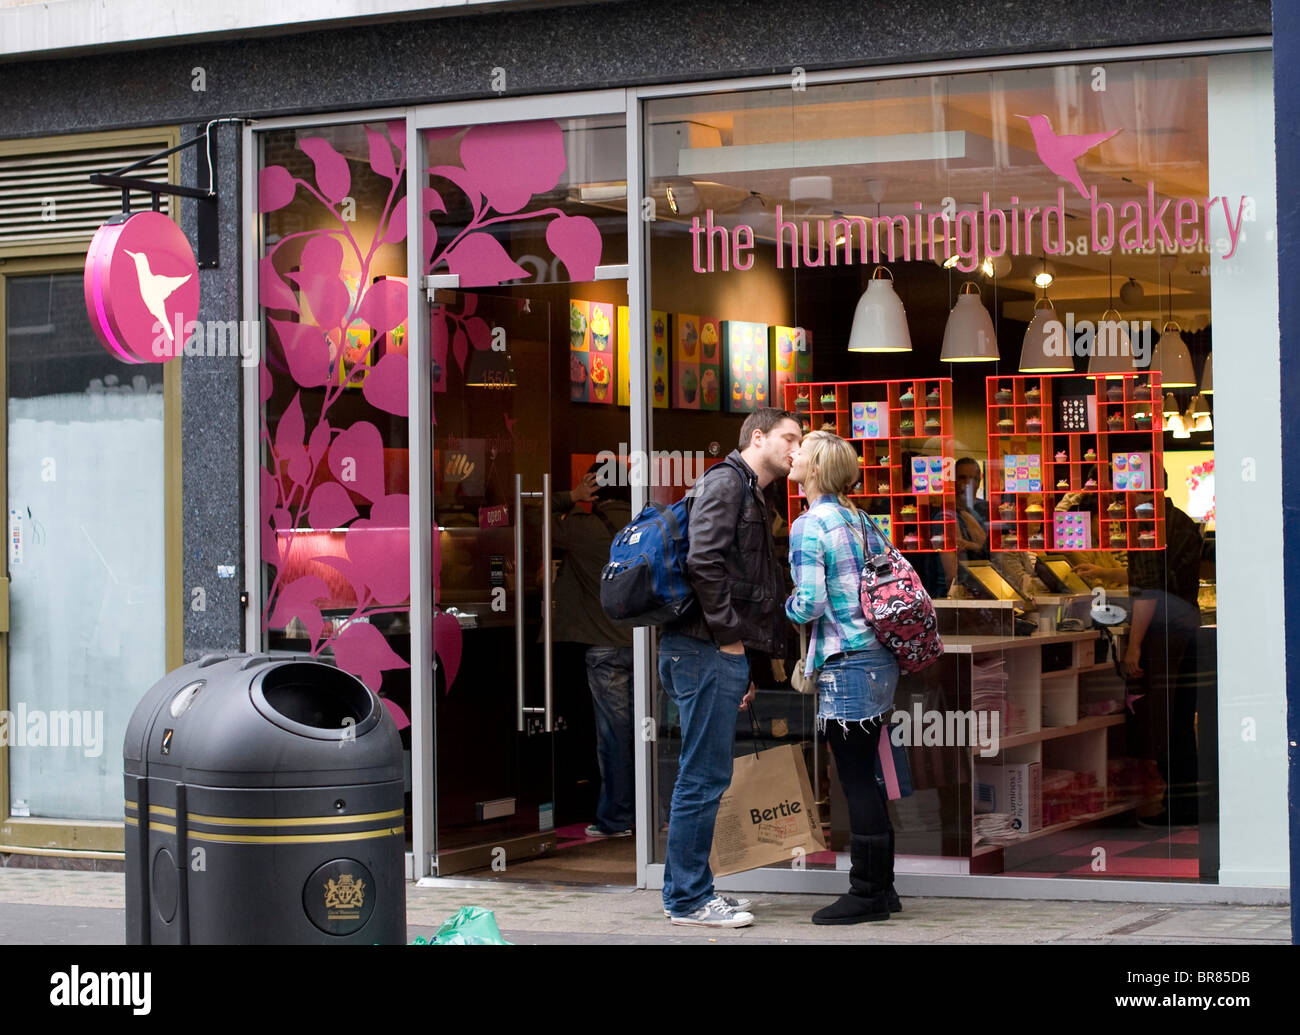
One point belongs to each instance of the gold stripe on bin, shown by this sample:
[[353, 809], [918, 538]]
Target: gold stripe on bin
[[293, 821], [294, 839], [161, 810]]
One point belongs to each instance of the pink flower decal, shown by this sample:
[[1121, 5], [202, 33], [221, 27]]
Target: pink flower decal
[[511, 161]]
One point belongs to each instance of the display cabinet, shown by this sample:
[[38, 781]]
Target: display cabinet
[[1099, 438], [903, 434]]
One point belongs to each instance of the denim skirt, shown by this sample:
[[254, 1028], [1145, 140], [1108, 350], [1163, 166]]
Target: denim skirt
[[856, 686]]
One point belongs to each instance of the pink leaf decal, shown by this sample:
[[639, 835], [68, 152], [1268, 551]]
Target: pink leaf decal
[[362, 650], [305, 350], [395, 710], [482, 262], [331, 506], [271, 546], [397, 134], [349, 572], [396, 229], [463, 180], [357, 460], [270, 490], [460, 347], [576, 241], [267, 385], [333, 176], [386, 387], [384, 305], [511, 161], [381, 154], [448, 641], [275, 188], [433, 201], [380, 547], [288, 441], [320, 280], [295, 600], [275, 293], [319, 441], [480, 334]]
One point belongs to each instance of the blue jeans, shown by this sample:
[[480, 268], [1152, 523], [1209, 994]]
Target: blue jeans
[[609, 675], [856, 686], [707, 686]]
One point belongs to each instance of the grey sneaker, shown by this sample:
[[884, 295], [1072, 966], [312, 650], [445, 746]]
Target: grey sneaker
[[734, 903], [714, 913]]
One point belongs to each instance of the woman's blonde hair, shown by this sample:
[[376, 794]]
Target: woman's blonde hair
[[832, 465]]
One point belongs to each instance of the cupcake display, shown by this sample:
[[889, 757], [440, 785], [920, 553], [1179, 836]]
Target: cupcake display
[[910, 541], [907, 425], [1003, 394], [932, 397], [909, 510], [709, 340], [932, 424], [1116, 507], [1032, 395], [803, 399], [827, 400], [1091, 483], [1006, 424], [1034, 424], [709, 388], [1007, 510], [1115, 422], [1063, 483], [1034, 509], [1091, 454], [1036, 541], [1062, 456], [1115, 391], [1147, 539], [1143, 421], [599, 329], [907, 398]]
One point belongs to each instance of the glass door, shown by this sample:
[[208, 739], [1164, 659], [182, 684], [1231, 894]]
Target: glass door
[[494, 689], [525, 252]]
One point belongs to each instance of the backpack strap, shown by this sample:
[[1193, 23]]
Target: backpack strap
[[604, 520]]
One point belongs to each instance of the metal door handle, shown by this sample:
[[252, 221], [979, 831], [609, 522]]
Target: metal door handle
[[519, 599], [546, 601]]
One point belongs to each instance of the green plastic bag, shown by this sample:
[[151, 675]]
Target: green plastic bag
[[469, 925]]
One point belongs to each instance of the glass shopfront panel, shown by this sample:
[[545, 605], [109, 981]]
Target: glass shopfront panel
[[1001, 288]]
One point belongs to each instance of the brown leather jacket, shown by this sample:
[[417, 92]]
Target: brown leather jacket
[[732, 563]]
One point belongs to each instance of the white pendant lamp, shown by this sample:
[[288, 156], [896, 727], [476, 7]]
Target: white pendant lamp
[[1038, 354], [1207, 376], [969, 336], [1172, 359], [879, 322], [1199, 407], [1112, 352], [1171, 405]]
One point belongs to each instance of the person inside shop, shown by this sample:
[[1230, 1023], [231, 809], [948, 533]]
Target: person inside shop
[[584, 539], [1098, 567], [972, 512], [1163, 628], [858, 674]]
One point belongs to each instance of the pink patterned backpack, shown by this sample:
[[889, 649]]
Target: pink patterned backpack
[[897, 606]]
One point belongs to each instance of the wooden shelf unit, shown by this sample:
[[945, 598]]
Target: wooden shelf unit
[[1021, 423], [886, 486]]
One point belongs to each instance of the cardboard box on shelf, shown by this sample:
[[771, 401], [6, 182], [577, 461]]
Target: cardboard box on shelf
[[1014, 789]]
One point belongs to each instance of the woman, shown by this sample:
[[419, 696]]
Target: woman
[[858, 673]]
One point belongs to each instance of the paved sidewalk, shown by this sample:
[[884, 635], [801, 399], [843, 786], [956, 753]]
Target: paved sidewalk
[[65, 907]]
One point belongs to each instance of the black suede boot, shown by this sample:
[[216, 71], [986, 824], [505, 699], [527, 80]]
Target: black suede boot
[[868, 898], [895, 906]]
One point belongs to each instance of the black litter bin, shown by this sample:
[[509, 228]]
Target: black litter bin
[[264, 805]]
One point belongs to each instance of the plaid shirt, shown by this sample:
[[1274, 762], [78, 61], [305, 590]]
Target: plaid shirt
[[826, 565]]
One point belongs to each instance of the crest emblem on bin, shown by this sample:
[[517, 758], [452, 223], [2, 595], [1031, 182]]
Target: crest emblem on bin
[[345, 897]]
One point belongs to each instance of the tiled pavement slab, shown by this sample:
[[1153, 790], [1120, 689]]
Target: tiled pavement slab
[[69, 907]]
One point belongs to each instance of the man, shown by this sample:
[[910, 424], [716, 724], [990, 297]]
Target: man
[[972, 512], [579, 618], [1166, 616], [733, 568]]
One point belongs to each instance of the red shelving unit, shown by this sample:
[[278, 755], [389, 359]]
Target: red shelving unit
[[920, 423], [1024, 419]]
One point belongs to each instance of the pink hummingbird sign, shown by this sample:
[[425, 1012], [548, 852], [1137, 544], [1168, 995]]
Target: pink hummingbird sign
[[142, 287]]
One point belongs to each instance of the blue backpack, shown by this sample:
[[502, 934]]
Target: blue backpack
[[645, 581]]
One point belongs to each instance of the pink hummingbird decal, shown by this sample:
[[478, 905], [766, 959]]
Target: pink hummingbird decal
[[1059, 152]]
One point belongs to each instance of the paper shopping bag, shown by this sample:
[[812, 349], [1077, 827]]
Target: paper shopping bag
[[767, 816]]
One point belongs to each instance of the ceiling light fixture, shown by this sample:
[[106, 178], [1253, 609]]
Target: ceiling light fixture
[[879, 321], [1112, 352], [969, 336], [1171, 357]]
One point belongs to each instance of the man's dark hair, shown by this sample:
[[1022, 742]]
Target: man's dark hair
[[969, 460], [764, 419]]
